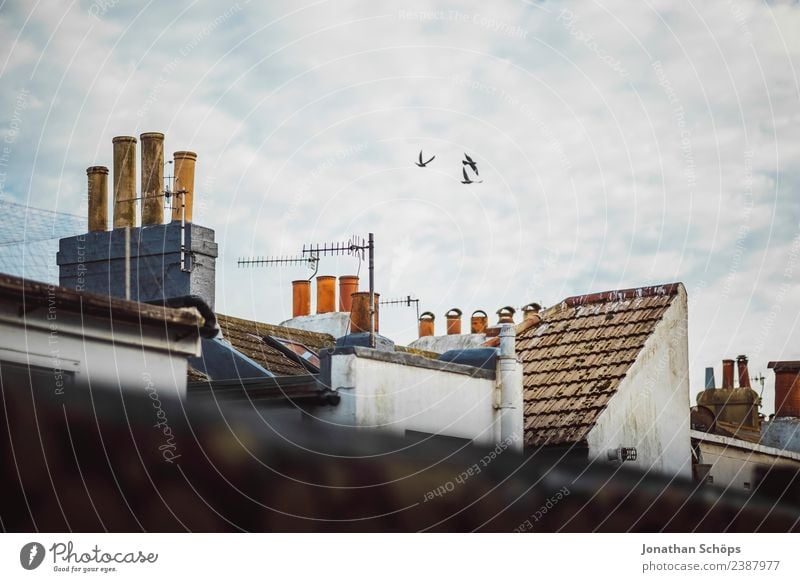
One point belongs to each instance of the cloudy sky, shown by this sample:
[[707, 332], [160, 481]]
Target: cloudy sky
[[621, 144]]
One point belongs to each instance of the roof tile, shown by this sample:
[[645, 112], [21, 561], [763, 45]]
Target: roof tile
[[575, 359]]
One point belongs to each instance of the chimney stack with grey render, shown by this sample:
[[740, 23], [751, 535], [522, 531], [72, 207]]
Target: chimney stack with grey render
[[167, 261]]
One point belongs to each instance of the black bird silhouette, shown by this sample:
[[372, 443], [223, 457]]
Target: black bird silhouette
[[422, 164], [471, 163], [466, 179]]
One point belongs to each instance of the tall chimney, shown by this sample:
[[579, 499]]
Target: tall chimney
[[184, 181], [453, 321], [152, 181], [98, 198], [787, 388], [326, 293], [359, 312], [301, 298], [744, 375], [124, 181], [348, 284], [727, 373], [426, 324], [710, 381], [505, 314], [478, 321]]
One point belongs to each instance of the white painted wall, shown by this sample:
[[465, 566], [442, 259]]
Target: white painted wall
[[733, 460], [442, 343], [335, 323], [397, 397], [125, 354], [650, 410]]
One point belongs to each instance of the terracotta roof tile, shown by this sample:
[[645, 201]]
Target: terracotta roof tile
[[575, 359], [245, 336]]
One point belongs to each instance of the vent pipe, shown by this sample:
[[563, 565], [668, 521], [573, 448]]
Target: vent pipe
[[478, 321], [359, 312], [184, 184], [744, 375], [152, 182], [301, 298], [453, 321], [509, 378], [426, 324], [326, 293], [505, 315], [124, 181], [727, 374], [98, 198], [711, 383], [531, 312], [348, 284]]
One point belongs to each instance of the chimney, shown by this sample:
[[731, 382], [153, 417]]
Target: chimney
[[359, 312], [453, 321], [124, 181], [167, 261], [348, 284], [505, 315], [426, 324], [727, 374], [184, 184], [531, 312], [326, 293], [478, 321], [744, 375], [152, 181], [787, 388], [301, 298], [710, 381], [98, 198]]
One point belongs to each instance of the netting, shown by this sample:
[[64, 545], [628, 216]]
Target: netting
[[29, 239]]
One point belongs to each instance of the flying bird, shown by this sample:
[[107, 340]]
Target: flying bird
[[467, 180], [471, 163], [422, 164]]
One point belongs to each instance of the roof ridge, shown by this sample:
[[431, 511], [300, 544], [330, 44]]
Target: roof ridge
[[662, 290], [278, 326]]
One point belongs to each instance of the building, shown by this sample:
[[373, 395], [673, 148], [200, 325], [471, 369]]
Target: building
[[73, 340], [732, 445], [601, 375]]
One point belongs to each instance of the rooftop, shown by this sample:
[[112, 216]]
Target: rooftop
[[248, 337], [33, 294], [575, 359]]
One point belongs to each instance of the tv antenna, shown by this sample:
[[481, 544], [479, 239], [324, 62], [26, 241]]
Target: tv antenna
[[355, 247], [312, 261], [407, 301]]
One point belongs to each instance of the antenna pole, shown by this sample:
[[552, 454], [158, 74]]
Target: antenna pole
[[371, 249], [183, 232], [128, 263]]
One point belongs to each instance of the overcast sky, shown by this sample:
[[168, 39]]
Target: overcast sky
[[620, 144]]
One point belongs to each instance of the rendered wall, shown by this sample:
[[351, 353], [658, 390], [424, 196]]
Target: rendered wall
[[398, 392], [733, 461], [650, 410], [97, 353], [95, 262]]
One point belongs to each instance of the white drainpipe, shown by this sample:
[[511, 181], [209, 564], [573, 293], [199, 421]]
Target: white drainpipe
[[509, 378]]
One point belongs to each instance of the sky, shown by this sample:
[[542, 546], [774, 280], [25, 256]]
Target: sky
[[620, 144]]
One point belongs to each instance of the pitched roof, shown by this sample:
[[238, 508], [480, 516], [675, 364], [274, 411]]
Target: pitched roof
[[575, 359], [245, 336], [35, 294]]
